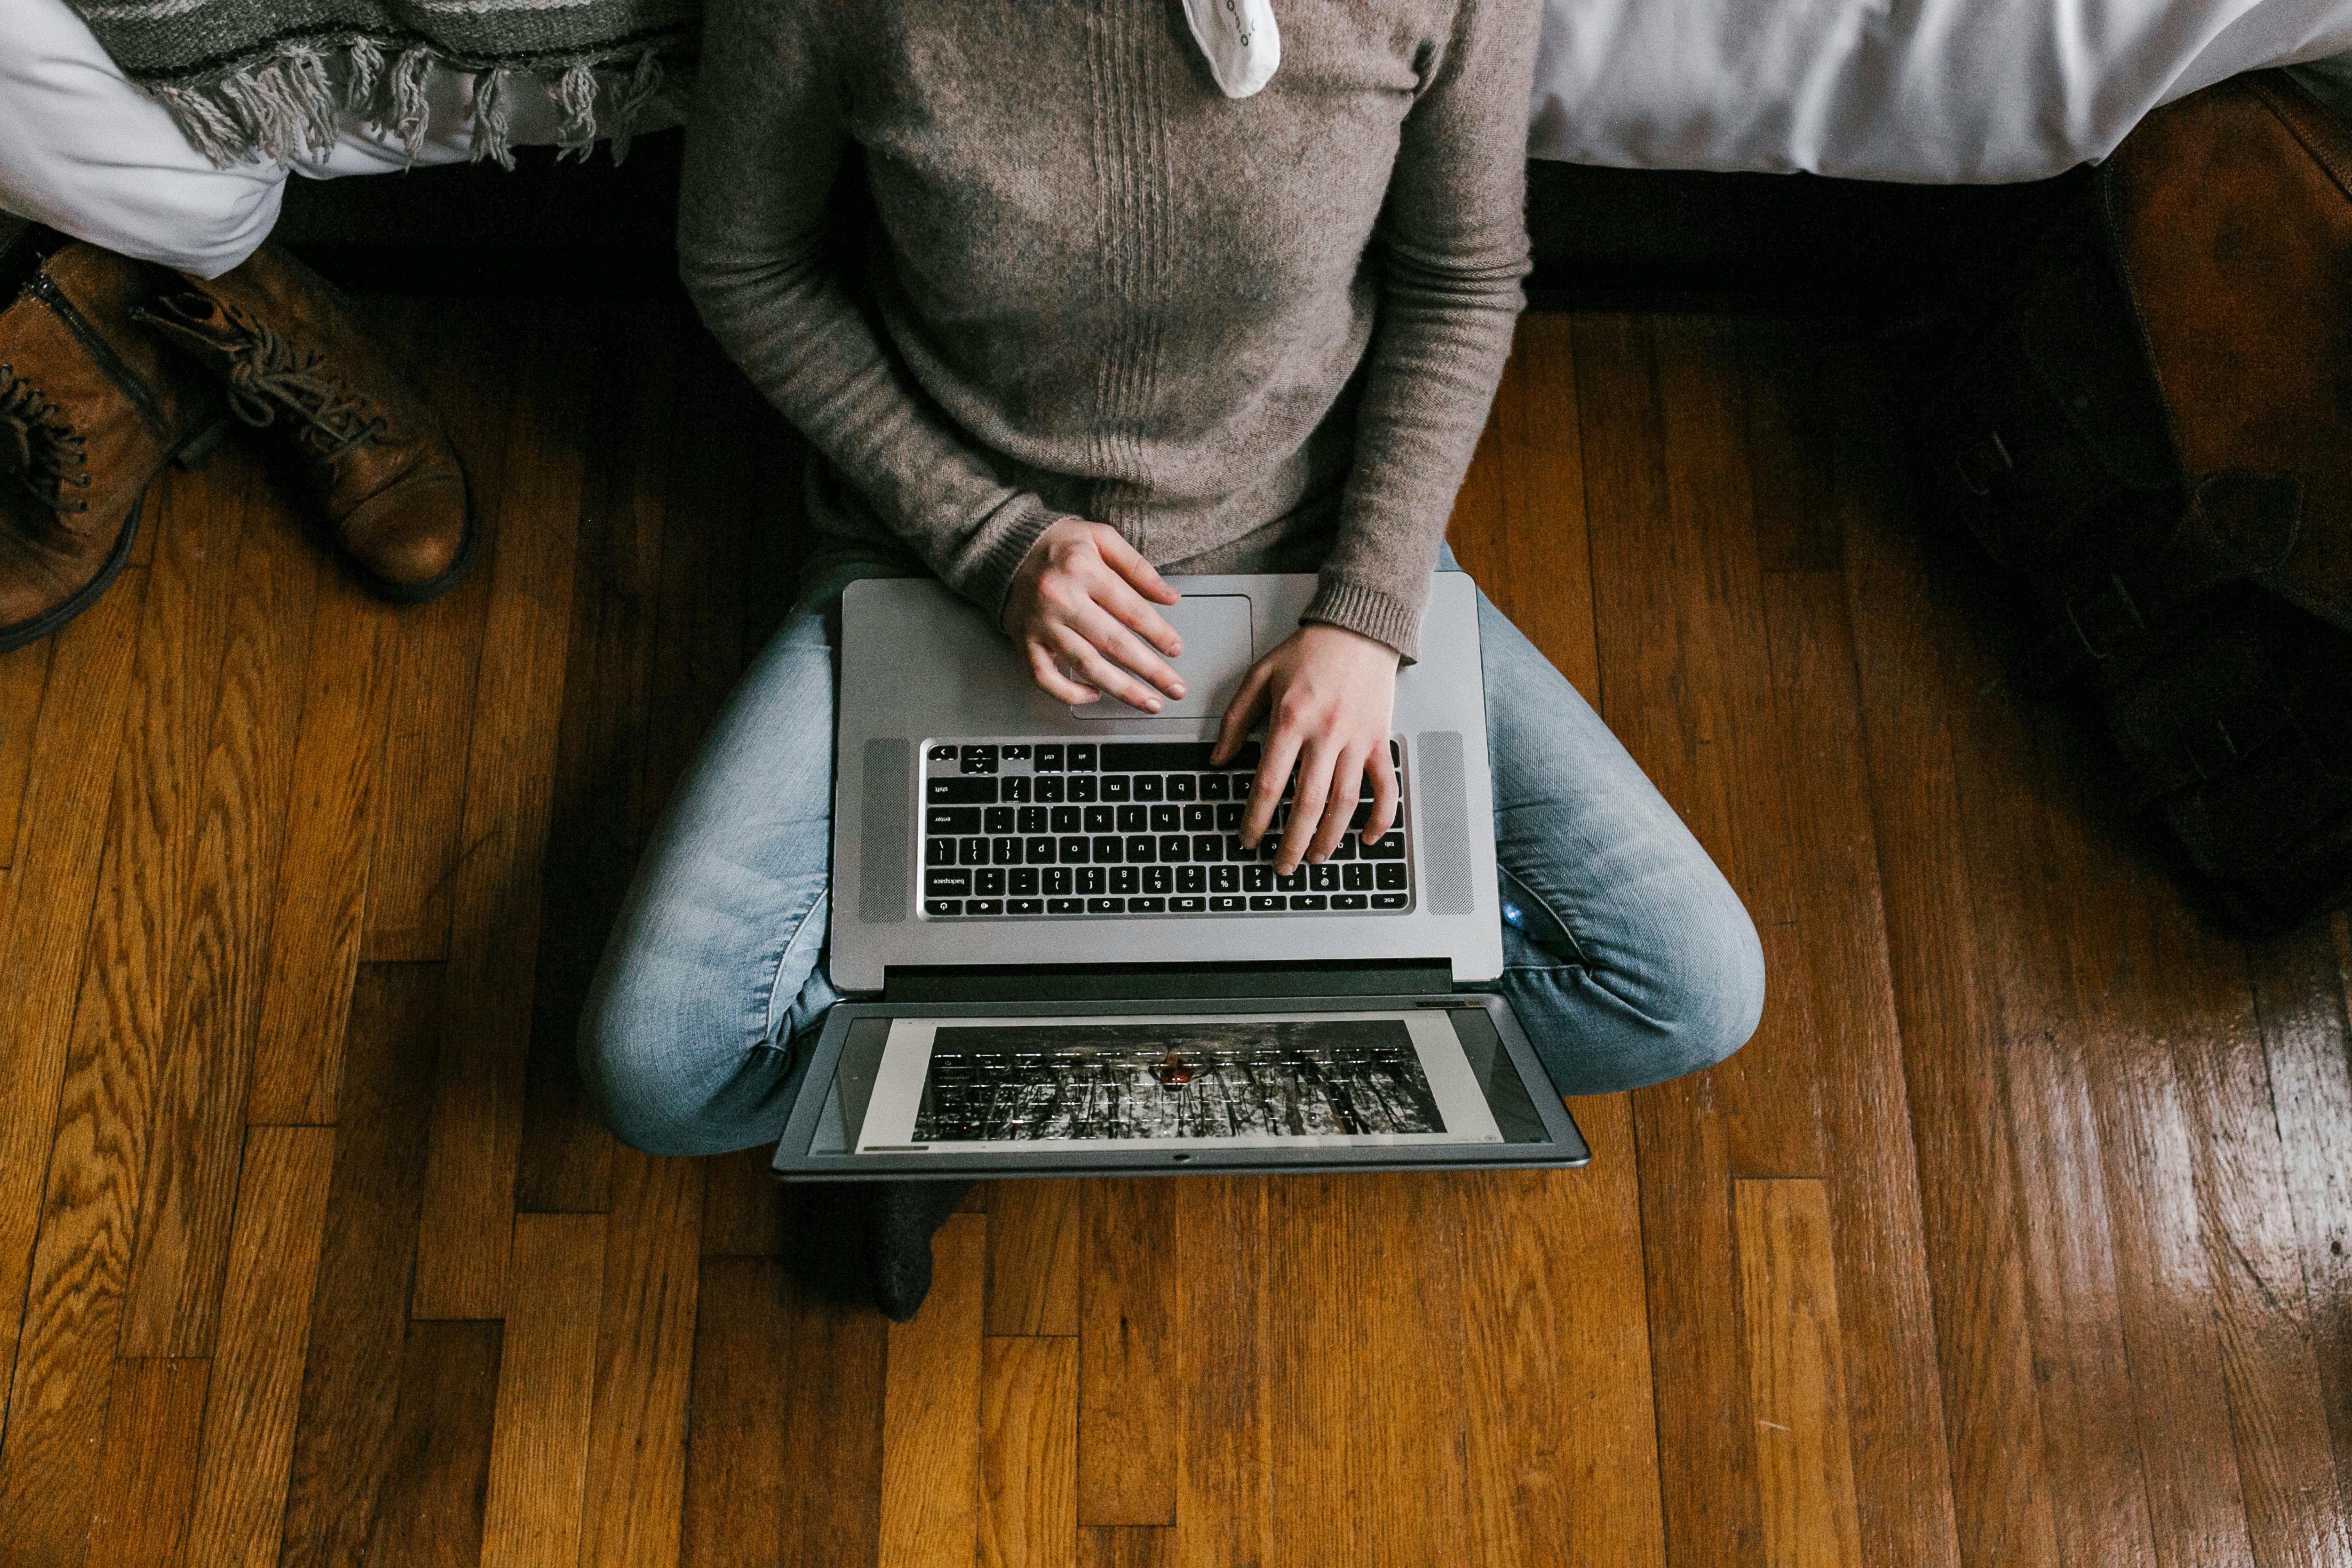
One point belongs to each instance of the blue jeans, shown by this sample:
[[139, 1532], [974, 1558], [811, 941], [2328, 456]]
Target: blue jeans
[[1627, 956]]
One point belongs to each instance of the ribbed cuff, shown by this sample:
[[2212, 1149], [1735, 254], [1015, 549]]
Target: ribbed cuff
[[1376, 614], [992, 575]]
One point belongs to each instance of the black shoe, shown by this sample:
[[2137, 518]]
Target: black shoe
[[906, 1216]]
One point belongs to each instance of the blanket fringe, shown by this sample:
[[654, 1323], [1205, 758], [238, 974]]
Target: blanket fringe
[[279, 108]]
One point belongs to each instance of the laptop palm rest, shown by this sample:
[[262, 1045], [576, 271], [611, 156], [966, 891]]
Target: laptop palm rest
[[1215, 628]]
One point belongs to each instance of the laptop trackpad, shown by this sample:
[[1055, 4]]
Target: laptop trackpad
[[1216, 632]]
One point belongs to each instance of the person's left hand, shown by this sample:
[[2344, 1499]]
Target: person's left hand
[[1326, 694]]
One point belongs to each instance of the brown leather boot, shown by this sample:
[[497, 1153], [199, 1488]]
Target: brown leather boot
[[92, 408], [294, 355]]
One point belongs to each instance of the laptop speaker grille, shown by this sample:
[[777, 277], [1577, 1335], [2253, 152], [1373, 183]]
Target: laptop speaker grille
[[1446, 883], [886, 823]]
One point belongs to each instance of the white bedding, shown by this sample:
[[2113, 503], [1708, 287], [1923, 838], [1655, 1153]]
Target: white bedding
[[1973, 91]]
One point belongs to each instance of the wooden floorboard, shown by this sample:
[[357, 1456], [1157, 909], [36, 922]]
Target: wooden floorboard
[[2017, 1235]]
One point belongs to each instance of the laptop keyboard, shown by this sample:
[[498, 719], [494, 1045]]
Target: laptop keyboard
[[1035, 829]]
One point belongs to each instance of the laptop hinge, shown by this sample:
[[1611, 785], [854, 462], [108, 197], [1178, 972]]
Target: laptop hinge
[[1124, 983]]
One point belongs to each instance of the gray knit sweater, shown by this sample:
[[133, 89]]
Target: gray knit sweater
[[1253, 336]]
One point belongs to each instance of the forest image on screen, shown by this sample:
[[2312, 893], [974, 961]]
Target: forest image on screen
[[1276, 1079]]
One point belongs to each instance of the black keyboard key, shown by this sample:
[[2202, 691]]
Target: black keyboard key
[[1192, 879], [1038, 851], [1138, 849], [1357, 878], [1355, 818], [1207, 846], [1213, 786], [1225, 879], [1021, 883], [1082, 787], [1182, 786], [984, 907], [1159, 879], [1147, 906], [943, 906], [1264, 903], [952, 819], [1345, 848], [1090, 880], [1101, 819], [1347, 900], [942, 753], [1309, 901], [1390, 900], [1016, 753], [1049, 759], [1170, 756], [1048, 787], [989, 883], [1187, 906], [1166, 819], [1323, 879], [1031, 820], [1106, 906], [1147, 786], [1066, 819], [939, 851], [1237, 851], [978, 760], [1017, 787], [1134, 818], [1082, 759], [1058, 882], [1004, 852], [1197, 818], [1024, 906], [1392, 876], [996, 819], [1114, 786], [959, 792], [1229, 817], [955, 884], [1066, 906], [1071, 851], [1388, 848], [1257, 878], [1293, 882], [1228, 906], [1104, 851], [1175, 846], [972, 851], [1124, 880]]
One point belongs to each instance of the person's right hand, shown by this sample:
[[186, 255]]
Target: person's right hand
[[1080, 608]]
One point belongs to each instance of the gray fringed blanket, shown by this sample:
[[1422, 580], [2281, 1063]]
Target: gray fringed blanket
[[264, 78]]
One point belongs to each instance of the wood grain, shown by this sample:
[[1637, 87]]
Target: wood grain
[[833, 1423], [1796, 1379], [1125, 1546], [106, 1107], [346, 1439], [1035, 1232], [147, 1471], [322, 895], [744, 1208], [469, 1176], [1128, 1376], [45, 915], [930, 1410], [469, 380], [23, 673], [645, 1350], [256, 1383], [546, 1388], [190, 1177], [1028, 1453], [1225, 1341], [1563, 1449], [740, 1477], [437, 1473]]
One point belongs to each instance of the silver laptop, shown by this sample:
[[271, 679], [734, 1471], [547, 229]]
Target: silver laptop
[[1064, 959]]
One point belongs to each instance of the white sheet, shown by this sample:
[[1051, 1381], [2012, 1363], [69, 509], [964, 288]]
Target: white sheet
[[1968, 92]]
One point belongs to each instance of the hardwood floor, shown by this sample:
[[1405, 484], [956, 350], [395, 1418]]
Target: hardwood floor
[[2017, 1236]]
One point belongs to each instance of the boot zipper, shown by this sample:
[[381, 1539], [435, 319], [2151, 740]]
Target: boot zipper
[[44, 287]]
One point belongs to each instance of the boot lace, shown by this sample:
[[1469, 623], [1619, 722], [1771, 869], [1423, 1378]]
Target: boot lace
[[40, 447], [268, 374]]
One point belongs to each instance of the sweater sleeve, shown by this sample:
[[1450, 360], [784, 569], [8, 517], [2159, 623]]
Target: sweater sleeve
[[1452, 247], [764, 142]]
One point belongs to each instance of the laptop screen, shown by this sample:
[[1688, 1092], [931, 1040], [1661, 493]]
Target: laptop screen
[[1175, 1082]]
